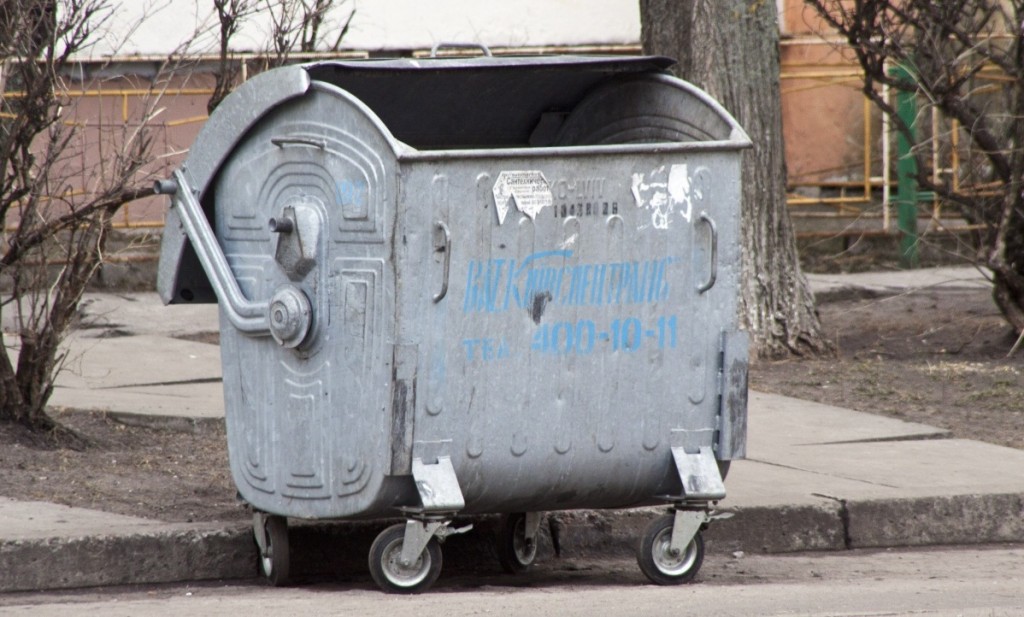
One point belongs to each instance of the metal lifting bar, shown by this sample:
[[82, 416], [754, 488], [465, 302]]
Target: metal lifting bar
[[248, 316]]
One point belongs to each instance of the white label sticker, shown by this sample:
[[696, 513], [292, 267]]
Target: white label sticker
[[529, 190]]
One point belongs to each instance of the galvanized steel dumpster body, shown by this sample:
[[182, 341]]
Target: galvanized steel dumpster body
[[517, 276]]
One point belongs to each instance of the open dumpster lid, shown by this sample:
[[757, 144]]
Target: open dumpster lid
[[480, 106], [480, 102]]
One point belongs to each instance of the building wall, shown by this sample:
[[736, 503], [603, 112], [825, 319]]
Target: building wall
[[824, 111], [146, 27]]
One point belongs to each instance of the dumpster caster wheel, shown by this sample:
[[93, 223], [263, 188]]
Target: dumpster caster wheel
[[515, 552], [386, 563], [663, 565], [274, 554]]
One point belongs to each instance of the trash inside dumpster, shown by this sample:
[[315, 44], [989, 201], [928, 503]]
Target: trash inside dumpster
[[452, 287]]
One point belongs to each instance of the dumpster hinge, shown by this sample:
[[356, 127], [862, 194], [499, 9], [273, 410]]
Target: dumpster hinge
[[731, 436]]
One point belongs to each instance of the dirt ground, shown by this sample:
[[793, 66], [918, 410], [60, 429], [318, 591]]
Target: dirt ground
[[935, 356]]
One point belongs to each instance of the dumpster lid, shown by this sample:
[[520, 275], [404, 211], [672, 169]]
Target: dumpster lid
[[606, 64], [479, 102]]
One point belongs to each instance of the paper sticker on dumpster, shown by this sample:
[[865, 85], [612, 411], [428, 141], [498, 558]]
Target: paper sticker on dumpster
[[529, 190]]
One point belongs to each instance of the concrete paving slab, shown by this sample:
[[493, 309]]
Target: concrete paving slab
[[112, 362], [145, 313], [899, 280], [790, 422], [33, 520], [197, 400], [761, 484], [137, 313], [909, 469], [807, 449], [140, 374]]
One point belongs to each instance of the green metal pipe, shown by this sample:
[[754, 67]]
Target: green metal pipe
[[906, 173]]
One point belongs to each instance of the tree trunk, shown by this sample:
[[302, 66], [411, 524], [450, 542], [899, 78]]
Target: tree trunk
[[730, 48], [1006, 258]]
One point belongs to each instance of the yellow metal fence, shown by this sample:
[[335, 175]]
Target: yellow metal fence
[[859, 194]]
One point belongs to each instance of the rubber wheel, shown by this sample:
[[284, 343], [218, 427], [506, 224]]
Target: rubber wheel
[[656, 558], [514, 552], [386, 567], [275, 560]]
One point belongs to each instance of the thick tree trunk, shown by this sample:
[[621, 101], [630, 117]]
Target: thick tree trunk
[[730, 48]]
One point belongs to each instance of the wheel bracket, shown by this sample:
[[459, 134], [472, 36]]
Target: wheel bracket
[[259, 530], [531, 526], [417, 535], [685, 527]]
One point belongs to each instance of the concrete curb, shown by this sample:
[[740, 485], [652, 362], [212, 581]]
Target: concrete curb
[[959, 519], [170, 556], [185, 555]]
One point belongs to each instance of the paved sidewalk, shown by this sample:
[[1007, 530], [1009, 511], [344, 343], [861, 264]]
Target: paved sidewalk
[[817, 477], [897, 281]]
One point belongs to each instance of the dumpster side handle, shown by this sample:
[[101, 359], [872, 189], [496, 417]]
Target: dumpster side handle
[[705, 217], [434, 51], [248, 316], [446, 248], [281, 142]]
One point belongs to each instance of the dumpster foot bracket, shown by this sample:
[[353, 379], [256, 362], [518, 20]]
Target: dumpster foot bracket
[[699, 473], [437, 485]]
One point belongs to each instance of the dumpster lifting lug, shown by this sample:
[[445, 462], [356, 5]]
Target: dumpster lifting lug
[[437, 485], [699, 474]]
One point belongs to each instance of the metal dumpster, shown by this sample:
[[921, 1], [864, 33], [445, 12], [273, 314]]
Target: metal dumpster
[[474, 285]]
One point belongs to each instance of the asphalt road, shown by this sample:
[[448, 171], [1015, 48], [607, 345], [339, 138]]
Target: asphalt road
[[986, 581]]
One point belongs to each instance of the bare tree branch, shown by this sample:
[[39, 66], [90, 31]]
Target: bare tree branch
[[951, 49]]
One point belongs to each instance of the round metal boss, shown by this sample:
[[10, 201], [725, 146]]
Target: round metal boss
[[290, 317]]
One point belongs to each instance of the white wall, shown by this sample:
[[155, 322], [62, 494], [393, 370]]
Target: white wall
[[387, 24]]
